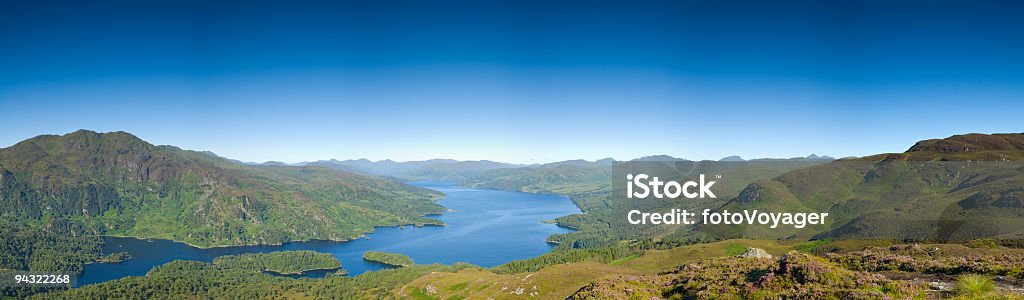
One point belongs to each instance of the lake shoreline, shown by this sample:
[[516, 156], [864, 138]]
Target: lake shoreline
[[361, 236], [269, 272], [474, 219]]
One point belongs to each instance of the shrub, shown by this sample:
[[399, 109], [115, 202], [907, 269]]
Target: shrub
[[973, 285], [982, 243]]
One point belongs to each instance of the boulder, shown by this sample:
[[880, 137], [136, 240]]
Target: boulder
[[754, 253]]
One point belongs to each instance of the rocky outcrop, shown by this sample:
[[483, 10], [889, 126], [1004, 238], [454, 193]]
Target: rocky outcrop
[[754, 253]]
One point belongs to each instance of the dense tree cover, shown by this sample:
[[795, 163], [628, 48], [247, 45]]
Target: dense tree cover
[[185, 279], [190, 279], [115, 257], [394, 259], [602, 255], [117, 184], [23, 248], [283, 262], [26, 248]]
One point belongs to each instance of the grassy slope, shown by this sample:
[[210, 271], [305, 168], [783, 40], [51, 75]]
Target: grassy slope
[[554, 282], [664, 260], [860, 270], [562, 280], [959, 188]]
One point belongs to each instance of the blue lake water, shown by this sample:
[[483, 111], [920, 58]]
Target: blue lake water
[[486, 228]]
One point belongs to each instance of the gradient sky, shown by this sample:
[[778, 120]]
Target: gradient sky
[[516, 81]]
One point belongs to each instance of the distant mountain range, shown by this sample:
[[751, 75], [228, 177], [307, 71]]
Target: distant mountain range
[[809, 157], [576, 176], [460, 171], [434, 169]]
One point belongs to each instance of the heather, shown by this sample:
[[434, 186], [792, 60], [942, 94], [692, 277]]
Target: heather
[[794, 276], [935, 259]]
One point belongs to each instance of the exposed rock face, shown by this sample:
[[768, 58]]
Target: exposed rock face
[[1013, 198], [754, 253]]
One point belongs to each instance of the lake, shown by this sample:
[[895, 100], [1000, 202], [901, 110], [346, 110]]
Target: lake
[[485, 227]]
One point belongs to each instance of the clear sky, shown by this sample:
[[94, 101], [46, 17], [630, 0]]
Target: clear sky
[[516, 81]]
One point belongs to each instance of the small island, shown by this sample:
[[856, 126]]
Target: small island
[[114, 257], [392, 259], [282, 262]]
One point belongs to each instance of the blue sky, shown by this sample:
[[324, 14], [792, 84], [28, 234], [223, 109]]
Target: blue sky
[[517, 81]]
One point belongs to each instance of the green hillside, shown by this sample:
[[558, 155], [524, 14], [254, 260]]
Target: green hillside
[[959, 188], [891, 270], [88, 183]]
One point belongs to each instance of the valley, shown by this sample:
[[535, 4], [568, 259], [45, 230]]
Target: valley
[[565, 150], [856, 252]]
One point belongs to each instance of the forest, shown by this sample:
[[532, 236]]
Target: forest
[[281, 262], [191, 279], [393, 259]]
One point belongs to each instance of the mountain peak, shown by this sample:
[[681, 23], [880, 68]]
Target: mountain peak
[[80, 141], [823, 157], [973, 142], [90, 133], [659, 158], [82, 132], [732, 158]]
